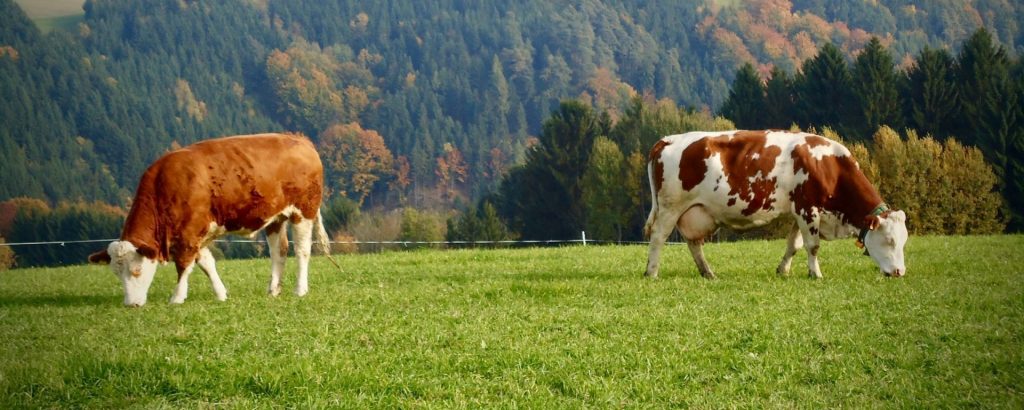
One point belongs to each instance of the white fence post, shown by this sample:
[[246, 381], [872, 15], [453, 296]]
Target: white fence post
[[584, 234]]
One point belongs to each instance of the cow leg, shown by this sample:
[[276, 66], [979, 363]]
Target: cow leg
[[793, 243], [206, 263], [695, 225], [662, 226], [277, 242], [303, 235], [812, 242], [181, 289]]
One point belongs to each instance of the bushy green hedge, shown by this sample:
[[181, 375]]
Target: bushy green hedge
[[944, 187], [36, 222]]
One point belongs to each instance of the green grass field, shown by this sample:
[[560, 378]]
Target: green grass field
[[570, 327], [53, 14]]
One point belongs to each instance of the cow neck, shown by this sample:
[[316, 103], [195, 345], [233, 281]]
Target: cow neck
[[856, 198], [141, 228]]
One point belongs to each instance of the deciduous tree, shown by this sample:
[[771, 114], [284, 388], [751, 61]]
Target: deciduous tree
[[356, 160], [604, 196]]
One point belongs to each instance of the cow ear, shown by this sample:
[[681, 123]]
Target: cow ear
[[100, 257], [872, 221]]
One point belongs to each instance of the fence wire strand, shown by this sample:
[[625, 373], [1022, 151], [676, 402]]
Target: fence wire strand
[[404, 243]]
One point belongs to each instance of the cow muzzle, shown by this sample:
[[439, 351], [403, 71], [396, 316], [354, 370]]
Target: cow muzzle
[[134, 302], [895, 273]]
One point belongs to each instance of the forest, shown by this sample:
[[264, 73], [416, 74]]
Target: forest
[[525, 119]]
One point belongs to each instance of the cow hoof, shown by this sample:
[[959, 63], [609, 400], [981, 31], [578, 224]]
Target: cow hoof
[[301, 293], [814, 275], [650, 275], [707, 274], [275, 292], [222, 298], [176, 301]]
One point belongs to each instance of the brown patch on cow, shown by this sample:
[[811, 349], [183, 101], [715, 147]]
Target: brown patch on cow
[[732, 201], [692, 168], [657, 166], [816, 141], [737, 155], [100, 257], [283, 244], [871, 222], [275, 226], [834, 184], [146, 251]]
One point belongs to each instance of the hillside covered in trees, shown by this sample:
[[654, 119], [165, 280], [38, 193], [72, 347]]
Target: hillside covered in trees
[[438, 104], [86, 109]]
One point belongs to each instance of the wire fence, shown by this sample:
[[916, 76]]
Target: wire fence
[[582, 241]]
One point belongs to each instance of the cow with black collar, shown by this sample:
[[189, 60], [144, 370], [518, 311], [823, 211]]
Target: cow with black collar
[[745, 179]]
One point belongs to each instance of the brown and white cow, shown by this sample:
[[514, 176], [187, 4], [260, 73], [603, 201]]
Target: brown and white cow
[[239, 185], [745, 179]]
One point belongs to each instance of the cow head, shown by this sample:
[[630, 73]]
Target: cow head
[[135, 270], [885, 239]]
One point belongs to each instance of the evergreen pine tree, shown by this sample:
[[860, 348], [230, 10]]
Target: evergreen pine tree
[[932, 103], [875, 84], [746, 103], [824, 91], [778, 100], [542, 198], [994, 116]]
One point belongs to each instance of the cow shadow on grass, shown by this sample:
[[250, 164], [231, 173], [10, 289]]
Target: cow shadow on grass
[[59, 300]]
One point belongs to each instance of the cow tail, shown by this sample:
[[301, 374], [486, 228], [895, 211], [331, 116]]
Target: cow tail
[[654, 201], [322, 238]]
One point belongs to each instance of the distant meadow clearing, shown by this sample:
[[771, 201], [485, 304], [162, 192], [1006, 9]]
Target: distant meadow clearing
[[51, 14], [565, 327]]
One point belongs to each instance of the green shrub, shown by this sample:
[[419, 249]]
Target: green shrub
[[945, 188], [422, 226], [6, 255], [477, 225]]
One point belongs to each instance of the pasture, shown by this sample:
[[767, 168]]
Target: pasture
[[567, 327]]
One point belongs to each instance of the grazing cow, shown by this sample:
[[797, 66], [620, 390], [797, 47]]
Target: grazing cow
[[745, 179], [193, 195]]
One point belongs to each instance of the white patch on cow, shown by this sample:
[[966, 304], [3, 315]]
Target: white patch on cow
[[831, 227], [783, 140], [206, 263], [821, 151], [181, 289], [302, 233], [135, 271]]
